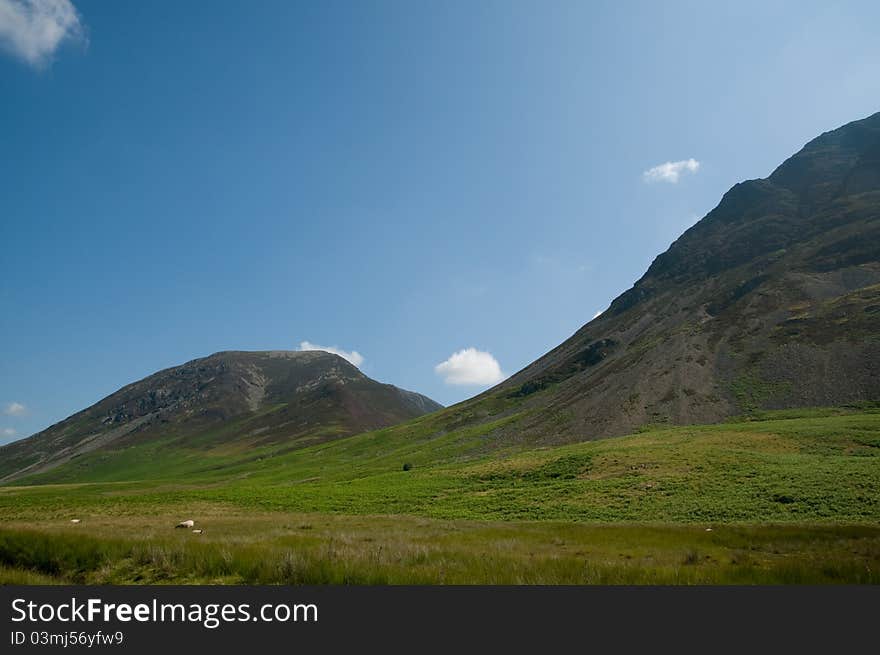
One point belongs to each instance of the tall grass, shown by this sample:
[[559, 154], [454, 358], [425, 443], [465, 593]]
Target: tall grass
[[87, 560], [792, 498]]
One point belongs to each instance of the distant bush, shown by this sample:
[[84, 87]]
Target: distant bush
[[407, 466]]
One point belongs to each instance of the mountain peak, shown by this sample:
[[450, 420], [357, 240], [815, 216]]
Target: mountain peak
[[844, 161], [772, 300], [273, 397], [756, 218]]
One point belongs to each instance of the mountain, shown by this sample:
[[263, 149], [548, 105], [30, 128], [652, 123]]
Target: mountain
[[231, 401], [771, 301]]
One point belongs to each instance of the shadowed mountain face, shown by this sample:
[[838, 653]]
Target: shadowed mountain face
[[230, 400], [770, 301]]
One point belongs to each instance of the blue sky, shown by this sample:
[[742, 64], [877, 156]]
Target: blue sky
[[402, 179]]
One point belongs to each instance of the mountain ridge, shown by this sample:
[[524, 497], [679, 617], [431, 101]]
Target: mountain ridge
[[748, 293], [770, 301], [279, 396]]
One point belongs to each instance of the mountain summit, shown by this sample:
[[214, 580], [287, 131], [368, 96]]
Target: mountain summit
[[230, 400], [770, 301]]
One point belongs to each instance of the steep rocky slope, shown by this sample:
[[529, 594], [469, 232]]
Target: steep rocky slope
[[771, 301]]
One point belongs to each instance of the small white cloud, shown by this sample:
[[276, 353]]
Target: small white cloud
[[34, 29], [353, 356], [15, 409], [671, 171], [470, 367], [8, 432]]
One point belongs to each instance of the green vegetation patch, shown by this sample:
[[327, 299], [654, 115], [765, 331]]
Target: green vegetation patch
[[752, 391], [465, 512], [316, 549]]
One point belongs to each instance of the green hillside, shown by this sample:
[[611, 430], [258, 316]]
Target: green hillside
[[666, 505], [817, 465], [678, 437]]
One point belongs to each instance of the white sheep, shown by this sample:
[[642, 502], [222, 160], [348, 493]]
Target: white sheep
[[198, 531], [185, 524], [75, 521]]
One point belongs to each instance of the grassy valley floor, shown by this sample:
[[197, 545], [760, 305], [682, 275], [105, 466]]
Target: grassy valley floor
[[787, 497]]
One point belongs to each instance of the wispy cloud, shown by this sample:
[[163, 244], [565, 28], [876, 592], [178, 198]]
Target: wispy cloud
[[33, 30], [8, 432], [470, 367], [352, 356], [15, 409], [671, 171]]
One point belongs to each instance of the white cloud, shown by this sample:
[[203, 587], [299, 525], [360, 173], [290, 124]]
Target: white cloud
[[34, 29], [470, 367], [597, 314], [15, 409], [8, 432], [671, 171], [353, 356]]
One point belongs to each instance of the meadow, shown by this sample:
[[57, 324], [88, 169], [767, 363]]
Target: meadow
[[779, 497]]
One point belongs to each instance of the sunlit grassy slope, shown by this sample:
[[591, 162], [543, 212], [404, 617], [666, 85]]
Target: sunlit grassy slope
[[781, 497], [819, 465]]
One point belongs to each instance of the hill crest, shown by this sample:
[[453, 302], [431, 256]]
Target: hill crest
[[270, 397]]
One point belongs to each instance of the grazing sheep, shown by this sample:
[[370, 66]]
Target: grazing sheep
[[75, 521], [185, 524], [198, 531]]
